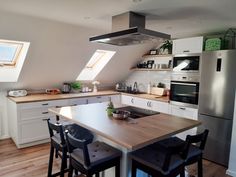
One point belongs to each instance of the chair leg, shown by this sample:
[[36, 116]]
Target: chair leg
[[133, 172], [182, 173], [50, 163], [56, 154], [200, 172], [117, 169], [70, 171], [63, 163], [76, 172]]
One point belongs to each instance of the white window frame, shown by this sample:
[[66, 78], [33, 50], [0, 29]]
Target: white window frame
[[95, 65]]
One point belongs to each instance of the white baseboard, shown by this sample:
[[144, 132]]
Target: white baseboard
[[231, 173], [4, 137]]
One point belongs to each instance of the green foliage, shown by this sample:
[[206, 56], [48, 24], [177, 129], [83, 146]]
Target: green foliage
[[110, 105], [76, 85], [167, 45]]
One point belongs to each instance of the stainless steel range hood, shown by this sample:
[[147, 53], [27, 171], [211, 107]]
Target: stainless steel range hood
[[129, 29]]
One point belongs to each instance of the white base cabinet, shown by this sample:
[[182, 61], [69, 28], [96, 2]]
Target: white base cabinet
[[185, 112], [27, 121], [153, 105]]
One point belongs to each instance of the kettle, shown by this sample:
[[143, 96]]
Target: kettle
[[66, 88]]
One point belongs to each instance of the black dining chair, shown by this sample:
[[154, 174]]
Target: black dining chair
[[91, 158], [157, 161], [191, 150], [58, 143]]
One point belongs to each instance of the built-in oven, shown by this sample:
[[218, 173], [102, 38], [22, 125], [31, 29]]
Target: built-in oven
[[186, 63], [184, 90]]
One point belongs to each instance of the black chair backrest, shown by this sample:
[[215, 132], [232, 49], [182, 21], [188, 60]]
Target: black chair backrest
[[199, 138], [74, 143], [58, 128]]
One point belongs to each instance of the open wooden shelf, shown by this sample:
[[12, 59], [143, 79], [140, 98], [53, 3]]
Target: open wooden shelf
[[150, 56], [146, 69]]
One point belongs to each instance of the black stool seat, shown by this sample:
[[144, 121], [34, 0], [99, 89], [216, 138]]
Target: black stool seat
[[99, 152], [155, 159], [91, 158]]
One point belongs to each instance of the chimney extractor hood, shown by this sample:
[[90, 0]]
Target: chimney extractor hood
[[129, 29]]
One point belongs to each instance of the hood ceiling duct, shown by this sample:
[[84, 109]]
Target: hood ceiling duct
[[129, 29]]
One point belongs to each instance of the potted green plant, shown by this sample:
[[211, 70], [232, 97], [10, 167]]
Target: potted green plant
[[166, 47], [76, 86], [110, 108]]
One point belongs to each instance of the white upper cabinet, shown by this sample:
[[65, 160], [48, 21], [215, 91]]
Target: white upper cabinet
[[188, 45]]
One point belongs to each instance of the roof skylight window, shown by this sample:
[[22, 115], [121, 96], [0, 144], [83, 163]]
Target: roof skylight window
[[9, 52], [97, 62], [12, 57]]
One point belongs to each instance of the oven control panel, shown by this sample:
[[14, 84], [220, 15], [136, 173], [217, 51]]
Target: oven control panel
[[185, 77]]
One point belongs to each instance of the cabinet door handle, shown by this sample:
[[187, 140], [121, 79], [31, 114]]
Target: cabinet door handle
[[132, 100], [73, 105], [98, 97], [182, 108], [150, 104], [44, 112], [185, 51], [44, 104]]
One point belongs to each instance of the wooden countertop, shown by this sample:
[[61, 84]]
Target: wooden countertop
[[129, 134], [150, 97], [47, 97]]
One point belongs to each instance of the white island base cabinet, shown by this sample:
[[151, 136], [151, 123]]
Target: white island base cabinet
[[186, 112]]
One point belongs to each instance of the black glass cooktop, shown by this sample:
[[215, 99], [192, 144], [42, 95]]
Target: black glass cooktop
[[136, 113]]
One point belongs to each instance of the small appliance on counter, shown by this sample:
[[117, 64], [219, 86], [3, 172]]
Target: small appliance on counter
[[53, 91], [158, 91], [66, 88], [17, 93]]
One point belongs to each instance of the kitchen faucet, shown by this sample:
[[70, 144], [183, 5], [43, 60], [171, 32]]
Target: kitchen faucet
[[135, 87]]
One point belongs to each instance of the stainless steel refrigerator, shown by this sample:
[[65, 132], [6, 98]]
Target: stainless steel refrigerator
[[216, 102]]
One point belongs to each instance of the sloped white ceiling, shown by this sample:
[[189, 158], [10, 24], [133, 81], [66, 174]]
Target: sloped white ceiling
[[59, 51], [180, 18]]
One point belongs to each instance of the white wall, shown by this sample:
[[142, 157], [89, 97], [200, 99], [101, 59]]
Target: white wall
[[57, 53], [232, 160]]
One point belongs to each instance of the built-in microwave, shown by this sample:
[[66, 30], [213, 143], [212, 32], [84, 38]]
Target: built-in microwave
[[186, 63]]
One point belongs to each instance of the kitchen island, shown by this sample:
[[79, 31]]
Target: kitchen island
[[126, 135]]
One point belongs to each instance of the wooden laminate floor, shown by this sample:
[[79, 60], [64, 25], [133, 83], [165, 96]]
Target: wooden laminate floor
[[33, 162]]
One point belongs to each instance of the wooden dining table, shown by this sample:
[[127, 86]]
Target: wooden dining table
[[126, 135]]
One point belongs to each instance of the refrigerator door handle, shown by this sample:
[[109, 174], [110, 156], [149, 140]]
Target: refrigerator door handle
[[218, 65]]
